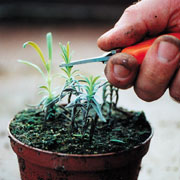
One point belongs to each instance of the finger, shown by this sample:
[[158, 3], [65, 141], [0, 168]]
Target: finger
[[136, 22], [121, 70], [174, 89], [158, 68]]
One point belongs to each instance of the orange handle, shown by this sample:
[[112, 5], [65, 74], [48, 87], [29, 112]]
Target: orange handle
[[139, 50]]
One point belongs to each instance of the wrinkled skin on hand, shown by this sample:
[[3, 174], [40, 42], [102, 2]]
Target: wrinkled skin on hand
[[160, 68]]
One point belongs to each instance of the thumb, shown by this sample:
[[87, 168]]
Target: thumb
[[159, 68], [136, 22]]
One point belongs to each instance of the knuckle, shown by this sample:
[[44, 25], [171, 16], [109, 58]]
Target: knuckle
[[131, 10], [128, 13]]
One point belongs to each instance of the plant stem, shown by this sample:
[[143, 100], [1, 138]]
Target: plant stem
[[117, 96], [73, 116], [86, 117], [50, 112], [49, 83], [111, 99], [93, 126], [69, 97]]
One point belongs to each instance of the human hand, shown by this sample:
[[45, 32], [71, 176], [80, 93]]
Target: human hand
[[160, 67]]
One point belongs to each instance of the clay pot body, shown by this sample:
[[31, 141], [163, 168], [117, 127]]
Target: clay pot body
[[37, 164]]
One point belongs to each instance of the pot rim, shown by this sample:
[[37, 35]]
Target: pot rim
[[11, 136]]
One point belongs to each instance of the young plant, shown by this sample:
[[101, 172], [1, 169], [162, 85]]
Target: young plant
[[71, 83], [48, 100], [91, 87], [110, 98], [86, 101]]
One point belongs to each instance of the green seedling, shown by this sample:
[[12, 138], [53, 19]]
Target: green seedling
[[110, 97], [46, 74], [66, 55], [71, 83], [87, 103], [91, 87]]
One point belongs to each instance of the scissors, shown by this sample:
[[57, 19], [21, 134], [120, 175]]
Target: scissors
[[138, 51]]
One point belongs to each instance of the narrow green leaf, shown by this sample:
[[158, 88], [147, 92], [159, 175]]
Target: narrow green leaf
[[43, 101], [67, 49], [77, 135], [65, 70], [64, 53], [91, 78], [70, 57], [117, 129], [48, 67], [44, 87], [86, 80], [95, 79], [34, 66], [63, 57], [87, 91], [42, 92], [87, 88], [65, 77], [49, 44], [97, 108], [117, 141], [75, 71], [37, 48]]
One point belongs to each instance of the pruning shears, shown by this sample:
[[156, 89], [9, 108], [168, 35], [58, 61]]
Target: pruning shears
[[138, 51]]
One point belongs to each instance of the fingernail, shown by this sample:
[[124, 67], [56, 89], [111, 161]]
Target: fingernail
[[167, 51], [120, 71]]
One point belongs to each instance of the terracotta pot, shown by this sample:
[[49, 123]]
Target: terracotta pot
[[37, 164]]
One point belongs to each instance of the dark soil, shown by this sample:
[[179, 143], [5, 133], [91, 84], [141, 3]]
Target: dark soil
[[123, 131]]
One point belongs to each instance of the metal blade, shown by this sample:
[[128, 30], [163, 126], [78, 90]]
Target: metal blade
[[85, 61], [102, 59]]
